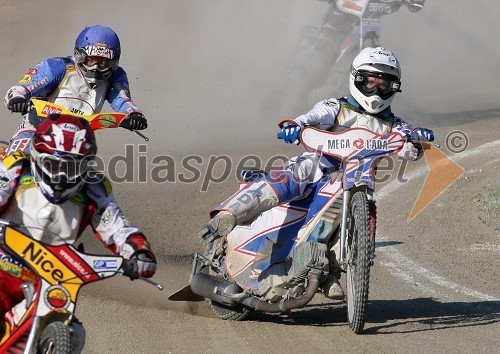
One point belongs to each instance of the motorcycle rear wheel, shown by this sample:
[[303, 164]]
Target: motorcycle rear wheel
[[237, 313], [358, 262], [55, 339]]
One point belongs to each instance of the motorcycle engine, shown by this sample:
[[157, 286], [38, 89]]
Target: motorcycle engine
[[287, 279]]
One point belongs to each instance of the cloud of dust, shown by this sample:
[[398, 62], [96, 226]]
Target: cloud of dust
[[208, 73], [449, 57]]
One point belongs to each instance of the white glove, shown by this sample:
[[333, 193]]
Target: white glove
[[141, 264], [409, 152]]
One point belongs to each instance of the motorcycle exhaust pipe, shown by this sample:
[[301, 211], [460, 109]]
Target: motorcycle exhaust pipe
[[287, 305], [215, 289]]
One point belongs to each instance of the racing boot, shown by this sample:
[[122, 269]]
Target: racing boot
[[241, 209], [219, 226], [331, 287]]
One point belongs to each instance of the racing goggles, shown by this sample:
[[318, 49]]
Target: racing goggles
[[371, 83], [94, 58], [66, 168]]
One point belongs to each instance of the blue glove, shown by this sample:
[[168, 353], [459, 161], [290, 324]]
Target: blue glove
[[422, 134], [291, 133]]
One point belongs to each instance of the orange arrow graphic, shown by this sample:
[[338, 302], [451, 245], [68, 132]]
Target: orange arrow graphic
[[442, 173]]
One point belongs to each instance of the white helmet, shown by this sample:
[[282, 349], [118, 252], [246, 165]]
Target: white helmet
[[375, 78]]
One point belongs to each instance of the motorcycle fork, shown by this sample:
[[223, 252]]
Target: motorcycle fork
[[30, 344], [343, 231], [345, 220]]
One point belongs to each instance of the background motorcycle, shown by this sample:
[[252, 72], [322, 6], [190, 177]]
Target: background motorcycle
[[277, 262], [45, 322], [318, 72]]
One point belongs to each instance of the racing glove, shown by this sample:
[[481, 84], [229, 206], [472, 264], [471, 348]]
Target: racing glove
[[219, 226], [290, 132], [140, 264], [409, 152], [18, 105], [422, 134], [135, 121]]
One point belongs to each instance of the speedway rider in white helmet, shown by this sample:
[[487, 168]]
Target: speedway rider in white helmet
[[80, 83], [375, 77]]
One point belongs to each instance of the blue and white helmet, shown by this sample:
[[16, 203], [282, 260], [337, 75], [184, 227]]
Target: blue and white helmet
[[97, 53], [375, 77]]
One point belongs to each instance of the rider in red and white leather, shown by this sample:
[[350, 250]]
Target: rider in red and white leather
[[56, 194]]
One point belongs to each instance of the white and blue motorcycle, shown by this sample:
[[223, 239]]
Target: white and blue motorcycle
[[277, 263]]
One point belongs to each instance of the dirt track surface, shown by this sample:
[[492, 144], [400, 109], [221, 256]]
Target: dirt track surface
[[207, 75]]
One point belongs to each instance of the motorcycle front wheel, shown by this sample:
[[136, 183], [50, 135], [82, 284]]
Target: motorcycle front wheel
[[55, 339], [358, 261]]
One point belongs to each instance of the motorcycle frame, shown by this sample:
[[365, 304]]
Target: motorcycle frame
[[356, 172]]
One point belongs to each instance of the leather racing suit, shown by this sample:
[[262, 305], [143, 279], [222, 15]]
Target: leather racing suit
[[58, 78], [21, 201], [300, 174]]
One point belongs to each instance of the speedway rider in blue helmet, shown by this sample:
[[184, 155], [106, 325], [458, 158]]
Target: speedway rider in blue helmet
[[374, 79], [80, 83]]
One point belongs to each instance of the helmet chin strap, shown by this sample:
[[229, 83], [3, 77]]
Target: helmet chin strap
[[57, 195]]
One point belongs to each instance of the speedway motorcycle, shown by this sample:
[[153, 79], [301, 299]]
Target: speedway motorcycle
[[277, 263], [45, 322], [366, 18], [41, 108]]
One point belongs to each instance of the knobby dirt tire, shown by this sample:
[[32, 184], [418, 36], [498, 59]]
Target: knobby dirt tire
[[55, 339], [237, 313], [369, 42], [359, 261]]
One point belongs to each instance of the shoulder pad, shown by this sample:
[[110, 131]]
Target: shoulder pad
[[10, 160], [66, 60]]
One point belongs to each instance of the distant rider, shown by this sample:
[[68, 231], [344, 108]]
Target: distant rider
[[338, 21], [374, 79], [55, 191], [87, 79]]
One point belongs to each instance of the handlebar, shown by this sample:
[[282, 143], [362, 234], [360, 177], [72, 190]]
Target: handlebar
[[43, 106], [407, 139], [125, 271], [141, 135]]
